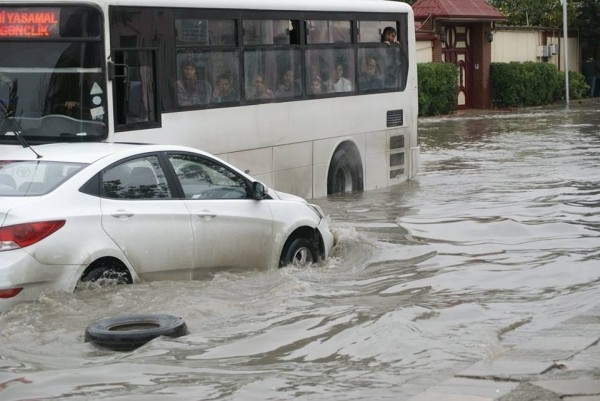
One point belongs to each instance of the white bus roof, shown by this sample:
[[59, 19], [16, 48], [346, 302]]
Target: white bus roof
[[275, 5]]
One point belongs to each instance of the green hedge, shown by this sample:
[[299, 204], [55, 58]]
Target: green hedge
[[532, 84], [437, 88], [578, 88], [513, 85]]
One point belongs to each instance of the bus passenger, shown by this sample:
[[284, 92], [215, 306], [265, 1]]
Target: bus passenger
[[370, 79], [392, 57], [338, 83], [316, 86], [288, 87], [191, 90], [224, 91], [389, 35], [260, 90]]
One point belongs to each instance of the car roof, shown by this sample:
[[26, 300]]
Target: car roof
[[87, 152]]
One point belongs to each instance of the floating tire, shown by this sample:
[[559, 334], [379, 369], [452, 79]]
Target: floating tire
[[129, 332]]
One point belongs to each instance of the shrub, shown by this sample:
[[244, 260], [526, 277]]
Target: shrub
[[532, 84], [506, 84], [578, 88], [437, 88]]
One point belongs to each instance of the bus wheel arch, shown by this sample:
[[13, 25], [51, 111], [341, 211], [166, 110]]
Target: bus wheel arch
[[345, 172]]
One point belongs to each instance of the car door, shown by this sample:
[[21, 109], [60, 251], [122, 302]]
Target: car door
[[231, 230], [150, 226]]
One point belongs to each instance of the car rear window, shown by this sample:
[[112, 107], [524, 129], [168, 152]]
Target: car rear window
[[34, 177]]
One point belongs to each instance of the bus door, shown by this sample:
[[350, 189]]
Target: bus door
[[135, 97]]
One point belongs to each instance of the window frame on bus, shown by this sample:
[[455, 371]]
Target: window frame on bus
[[169, 50], [128, 98]]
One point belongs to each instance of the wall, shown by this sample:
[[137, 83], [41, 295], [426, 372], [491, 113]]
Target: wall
[[424, 51], [519, 44], [522, 45]]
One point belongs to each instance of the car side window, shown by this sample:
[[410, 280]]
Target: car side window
[[202, 178], [141, 178]]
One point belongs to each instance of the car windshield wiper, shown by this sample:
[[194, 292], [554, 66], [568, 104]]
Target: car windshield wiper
[[8, 113]]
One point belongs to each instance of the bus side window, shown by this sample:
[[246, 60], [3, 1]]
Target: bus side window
[[273, 74], [325, 31], [334, 67], [225, 72], [372, 31], [269, 32], [388, 52], [210, 46], [193, 85], [135, 97], [205, 32], [260, 74], [371, 70]]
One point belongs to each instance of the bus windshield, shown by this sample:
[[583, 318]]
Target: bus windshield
[[51, 74]]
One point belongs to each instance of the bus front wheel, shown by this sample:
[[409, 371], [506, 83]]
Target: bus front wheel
[[345, 173]]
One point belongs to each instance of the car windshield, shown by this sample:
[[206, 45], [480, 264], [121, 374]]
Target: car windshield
[[52, 86], [34, 177]]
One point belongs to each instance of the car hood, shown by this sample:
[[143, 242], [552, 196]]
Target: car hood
[[285, 196]]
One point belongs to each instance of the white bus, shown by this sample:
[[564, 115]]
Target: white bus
[[304, 95]]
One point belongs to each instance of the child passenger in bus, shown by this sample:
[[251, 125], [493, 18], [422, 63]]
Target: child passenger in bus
[[316, 86], [370, 78], [392, 55], [192, 91], [288, 87], [224, 90], [260, 90], [338, 83], [389, 35]]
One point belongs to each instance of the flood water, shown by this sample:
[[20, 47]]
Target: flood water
[[501, 231]]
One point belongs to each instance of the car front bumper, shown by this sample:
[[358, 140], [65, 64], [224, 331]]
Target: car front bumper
[[329, 238]]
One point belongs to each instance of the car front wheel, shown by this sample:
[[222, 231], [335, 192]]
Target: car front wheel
[[301, 252]]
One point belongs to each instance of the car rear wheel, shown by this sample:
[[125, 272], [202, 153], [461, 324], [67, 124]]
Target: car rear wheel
[[106, 272], [125, 333], [301, 252]]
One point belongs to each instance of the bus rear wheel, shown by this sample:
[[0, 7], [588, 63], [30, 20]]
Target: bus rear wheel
[[345, 173]]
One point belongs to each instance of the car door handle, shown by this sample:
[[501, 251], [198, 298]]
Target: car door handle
[[122, 215], [206, 215]]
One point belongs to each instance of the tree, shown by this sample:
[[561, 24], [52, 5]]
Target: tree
[[587, 22], [540, 13], [583, 16]]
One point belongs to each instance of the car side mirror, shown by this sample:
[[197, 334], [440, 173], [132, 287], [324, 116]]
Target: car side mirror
[[259, 191]]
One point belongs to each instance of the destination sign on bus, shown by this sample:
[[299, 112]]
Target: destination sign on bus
[[29, 22]]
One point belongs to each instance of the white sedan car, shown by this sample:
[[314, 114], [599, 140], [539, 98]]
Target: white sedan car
[[90, 211]]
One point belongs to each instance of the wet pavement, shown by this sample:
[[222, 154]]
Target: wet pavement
[[561, 363]]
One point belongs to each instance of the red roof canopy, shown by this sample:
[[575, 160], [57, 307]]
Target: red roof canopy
[[456, 9]]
